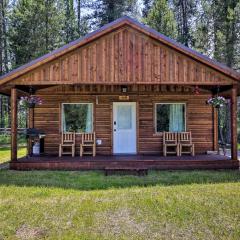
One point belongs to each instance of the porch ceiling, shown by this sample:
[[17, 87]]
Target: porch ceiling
[[131, 89]]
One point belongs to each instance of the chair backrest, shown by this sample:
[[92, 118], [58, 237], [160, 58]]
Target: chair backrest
[[185, 137], [68, 137], [170, 137], [88, 137]]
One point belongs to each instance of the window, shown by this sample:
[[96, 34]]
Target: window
[[77, 117], [170, 117], [124, 114]]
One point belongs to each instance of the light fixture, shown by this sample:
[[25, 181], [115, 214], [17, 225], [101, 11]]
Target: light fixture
[[31, 90], [124, 89], [196, 90]]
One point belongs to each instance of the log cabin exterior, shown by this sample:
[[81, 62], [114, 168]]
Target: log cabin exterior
[[125, 63]]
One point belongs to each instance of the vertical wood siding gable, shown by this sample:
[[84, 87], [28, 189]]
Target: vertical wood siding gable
[[124, 56]]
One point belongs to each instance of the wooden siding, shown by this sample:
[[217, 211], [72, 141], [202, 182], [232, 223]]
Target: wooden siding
[[124, 56], [199, 115]]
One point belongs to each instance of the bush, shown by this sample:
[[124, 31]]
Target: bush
[[5, 139]]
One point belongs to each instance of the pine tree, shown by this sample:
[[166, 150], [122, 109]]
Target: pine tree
[[4, 50], [236, 65], [1, 41], [203, 36], [106, 11], [79, 10], [161, 18], [147, 4], [70, 27], [4, 57], [82, 17], [217, 31], [35, 29], [231, 36], [185, 11]]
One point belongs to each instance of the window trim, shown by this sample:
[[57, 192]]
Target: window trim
[[168, 103], [65, 103]]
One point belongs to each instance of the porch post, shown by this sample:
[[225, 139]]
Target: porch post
[[234, 150], [215, 129], [13, 124], [30, 125]]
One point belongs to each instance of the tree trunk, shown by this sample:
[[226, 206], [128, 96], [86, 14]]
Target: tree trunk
[[1, 112], [46, 26], [230, 34], [79, 17], [185, 29], [4, 33], [1, 38]]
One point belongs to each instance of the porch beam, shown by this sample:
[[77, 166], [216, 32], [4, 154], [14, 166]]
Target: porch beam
[[234, 149], [13, 124]]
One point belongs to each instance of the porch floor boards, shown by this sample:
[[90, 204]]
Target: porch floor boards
[[100, 162]]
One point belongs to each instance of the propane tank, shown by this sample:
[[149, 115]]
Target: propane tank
[[36, 148]]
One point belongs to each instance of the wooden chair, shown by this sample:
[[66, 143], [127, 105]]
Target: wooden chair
[[170, 140], [88, 144], [67, 141], [185, 141]]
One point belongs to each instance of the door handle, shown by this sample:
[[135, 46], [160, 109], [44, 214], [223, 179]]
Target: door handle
[[115, 130], [114, 122]]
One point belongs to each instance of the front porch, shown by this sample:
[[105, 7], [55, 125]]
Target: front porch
[[100, 162]]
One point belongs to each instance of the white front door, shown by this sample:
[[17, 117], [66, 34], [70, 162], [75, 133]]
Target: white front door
[[124, 127]]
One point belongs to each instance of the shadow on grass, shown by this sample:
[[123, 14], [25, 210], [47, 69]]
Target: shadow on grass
[[4, 165], [96, 180], [5, 154]]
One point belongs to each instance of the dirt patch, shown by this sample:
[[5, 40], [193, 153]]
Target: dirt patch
[[123, 224], [170, 231], [26, 232], [119, 223]]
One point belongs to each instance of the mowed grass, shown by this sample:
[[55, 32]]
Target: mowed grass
[[5, 153], [89, 205]]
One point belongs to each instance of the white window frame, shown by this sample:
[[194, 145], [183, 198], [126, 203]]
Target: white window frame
[[168, 103], [66, 103]]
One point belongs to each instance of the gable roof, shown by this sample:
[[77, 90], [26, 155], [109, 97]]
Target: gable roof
[[109, 28]]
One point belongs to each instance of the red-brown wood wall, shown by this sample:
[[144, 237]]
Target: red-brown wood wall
[[199, 115]]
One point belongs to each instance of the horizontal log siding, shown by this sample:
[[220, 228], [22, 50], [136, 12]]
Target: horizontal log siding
[[199, 119], [122, 57]]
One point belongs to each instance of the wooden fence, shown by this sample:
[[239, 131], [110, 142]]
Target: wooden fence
[[8, 130]]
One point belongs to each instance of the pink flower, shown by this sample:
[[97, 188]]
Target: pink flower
[[218, 101], [31, 100]]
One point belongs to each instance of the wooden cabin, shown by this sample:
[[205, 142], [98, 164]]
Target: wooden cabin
[[128, 84]]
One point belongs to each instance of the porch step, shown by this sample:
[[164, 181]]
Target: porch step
[[139, 171]]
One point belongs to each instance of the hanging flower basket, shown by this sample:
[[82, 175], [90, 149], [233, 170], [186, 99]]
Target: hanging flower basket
[[217, 102], [31, 101]]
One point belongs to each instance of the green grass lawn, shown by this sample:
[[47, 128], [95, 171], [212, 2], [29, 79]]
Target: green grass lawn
[[5, 153], [88, 205]]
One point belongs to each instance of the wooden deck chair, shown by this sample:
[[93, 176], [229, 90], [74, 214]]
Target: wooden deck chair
[[88, 144], [185, 141], [67, 141], [170, 140]]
